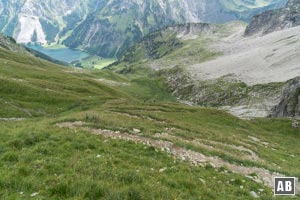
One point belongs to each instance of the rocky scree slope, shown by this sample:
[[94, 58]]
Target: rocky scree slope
[[215, 65]]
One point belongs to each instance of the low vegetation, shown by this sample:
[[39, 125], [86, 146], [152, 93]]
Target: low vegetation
[[40, 159]]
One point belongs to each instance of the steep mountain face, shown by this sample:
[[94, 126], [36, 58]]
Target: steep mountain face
[[275, 20], [108, 27], [43, 21], [110, 31], [129, 21]]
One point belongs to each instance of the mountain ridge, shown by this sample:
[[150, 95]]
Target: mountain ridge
[[79, 23]]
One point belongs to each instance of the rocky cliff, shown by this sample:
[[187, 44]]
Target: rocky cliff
[[289, 105], [275, 20]]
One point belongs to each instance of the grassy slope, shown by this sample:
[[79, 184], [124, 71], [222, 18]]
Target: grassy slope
[[37, 156], [64, 165], [94, 62]]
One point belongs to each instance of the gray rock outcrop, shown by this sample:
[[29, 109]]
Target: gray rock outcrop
[[289, 105], [274, 20]]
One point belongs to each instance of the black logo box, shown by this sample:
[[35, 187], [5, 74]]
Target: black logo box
[[284, 186]]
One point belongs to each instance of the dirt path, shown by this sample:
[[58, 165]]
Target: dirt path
[[263, 175], [135, 116], [17, 107], [247, 154], [12, 119], [111, 82]]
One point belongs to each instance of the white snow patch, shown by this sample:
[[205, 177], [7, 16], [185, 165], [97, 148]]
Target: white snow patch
[[28, 26]]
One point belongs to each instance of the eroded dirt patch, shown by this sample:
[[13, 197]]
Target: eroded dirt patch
[[196, 158], [12, 119], [246, 153]]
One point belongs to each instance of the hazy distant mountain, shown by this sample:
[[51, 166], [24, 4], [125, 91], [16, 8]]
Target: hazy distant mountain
[[108, 27], [43, 21]]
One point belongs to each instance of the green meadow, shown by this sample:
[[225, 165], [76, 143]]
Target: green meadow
[[41, 160]]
